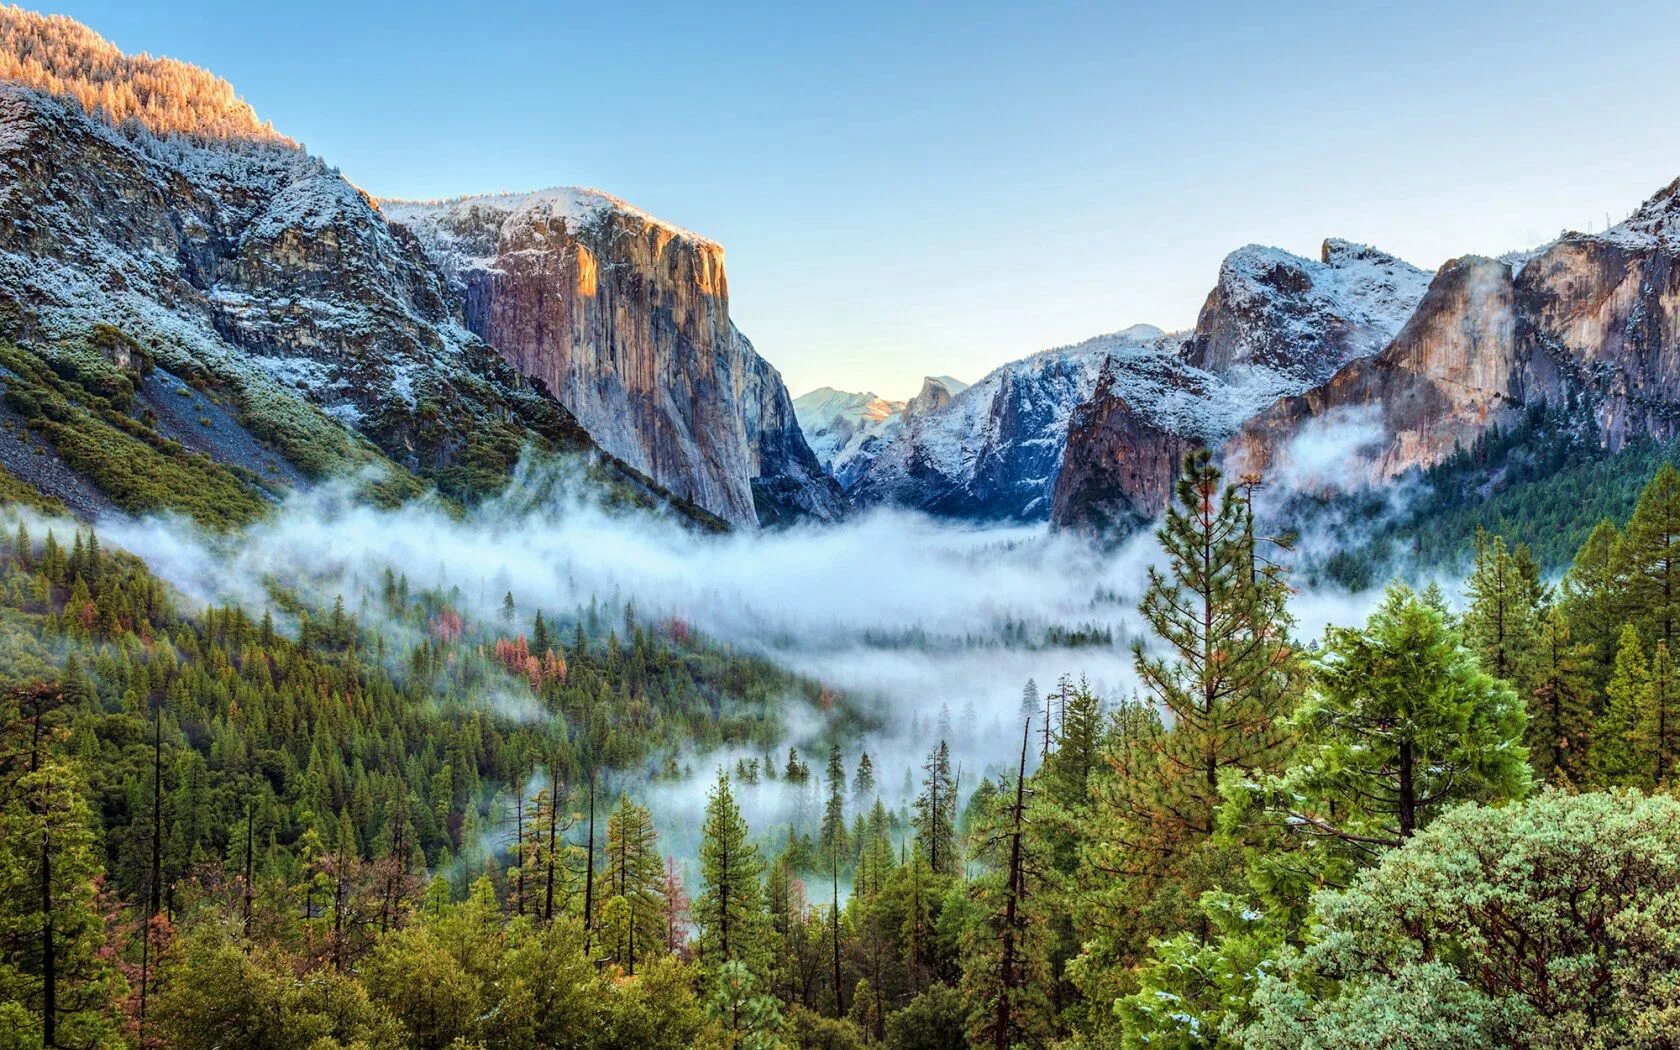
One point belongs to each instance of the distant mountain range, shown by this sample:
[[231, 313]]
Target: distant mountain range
[[156, 236]]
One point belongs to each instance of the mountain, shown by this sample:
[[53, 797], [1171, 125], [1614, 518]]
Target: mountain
[[992, 451], [848, 430], [1301, 317], [625, 318], [1274, 325], [1590, 322], [1582, 330], [234, 266]]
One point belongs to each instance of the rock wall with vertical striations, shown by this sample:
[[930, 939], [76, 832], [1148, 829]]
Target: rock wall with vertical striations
[[625, 319]]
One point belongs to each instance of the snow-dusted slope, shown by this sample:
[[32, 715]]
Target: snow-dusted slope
[[993, 451], [1300, 317], [248, 261], [848, 430]]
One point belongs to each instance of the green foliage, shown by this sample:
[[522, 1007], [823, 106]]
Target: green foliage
[[1560, 716], [1540, 482], [14, 490], [1197, 991], [933, 1020], [1617, 757], [368, 821], [1459, 940], [729, 910], [139, 469], [1505, 597], [1400, 724]]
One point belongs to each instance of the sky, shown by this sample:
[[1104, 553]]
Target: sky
[[922, 189]]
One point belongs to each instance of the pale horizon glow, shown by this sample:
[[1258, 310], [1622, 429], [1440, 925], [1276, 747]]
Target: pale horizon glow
[[938, 189]]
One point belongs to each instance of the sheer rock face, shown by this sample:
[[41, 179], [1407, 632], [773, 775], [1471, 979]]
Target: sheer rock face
[[1454, 369], [1274, 326], [1599, 314], [1118, 468], [626, 320], [1590, 321]]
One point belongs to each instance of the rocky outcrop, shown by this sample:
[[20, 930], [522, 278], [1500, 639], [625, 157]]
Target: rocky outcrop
[[1591, 321], [1118, 470], [1454, 369], [1600, 314], [626, 320], [1589, 324], [1300, 317], [1274, 326]]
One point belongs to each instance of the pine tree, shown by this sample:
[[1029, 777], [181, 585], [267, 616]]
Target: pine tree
[[863, 783], [1401, 724], [1593, 600], [1559, 707], [1618, 759], [635, 875], [1659, 724], [936, 812], [729, 912], [1650, 559], [1005, 976], [1227, 676], [1501, 622], [51, 956], [834, 851]]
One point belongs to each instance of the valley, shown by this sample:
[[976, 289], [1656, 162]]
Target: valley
[[435, 623]]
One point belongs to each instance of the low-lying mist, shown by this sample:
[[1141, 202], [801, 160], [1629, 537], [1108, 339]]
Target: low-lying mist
[[935, 628]]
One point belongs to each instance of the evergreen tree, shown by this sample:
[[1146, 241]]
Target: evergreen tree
[[1594, 601], [1559, 704], [1217, 694], [51, 935], [863, 782], [729, 911], [1005, 976], [635, 876], [1659, 723], [1500, 625], [834, 851], [936, 812], [1401, 724], [1650, 559], [1619, 757]]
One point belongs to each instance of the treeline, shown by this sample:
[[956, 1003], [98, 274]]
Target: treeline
[[60, 56], [1431, 829]]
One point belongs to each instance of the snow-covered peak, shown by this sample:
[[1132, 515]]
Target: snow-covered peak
[[1301, 317], [826, 404], [1368, 286], [845, 429], [577, 206]]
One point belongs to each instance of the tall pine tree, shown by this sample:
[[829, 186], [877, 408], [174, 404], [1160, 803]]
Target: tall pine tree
[[729, 911]]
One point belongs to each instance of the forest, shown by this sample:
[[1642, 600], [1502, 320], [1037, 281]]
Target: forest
[[387, 824]]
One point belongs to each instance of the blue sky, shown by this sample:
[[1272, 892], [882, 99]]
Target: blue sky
[[910, 189]]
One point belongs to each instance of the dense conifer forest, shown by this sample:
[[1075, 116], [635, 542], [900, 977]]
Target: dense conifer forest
[[1449, 825]]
